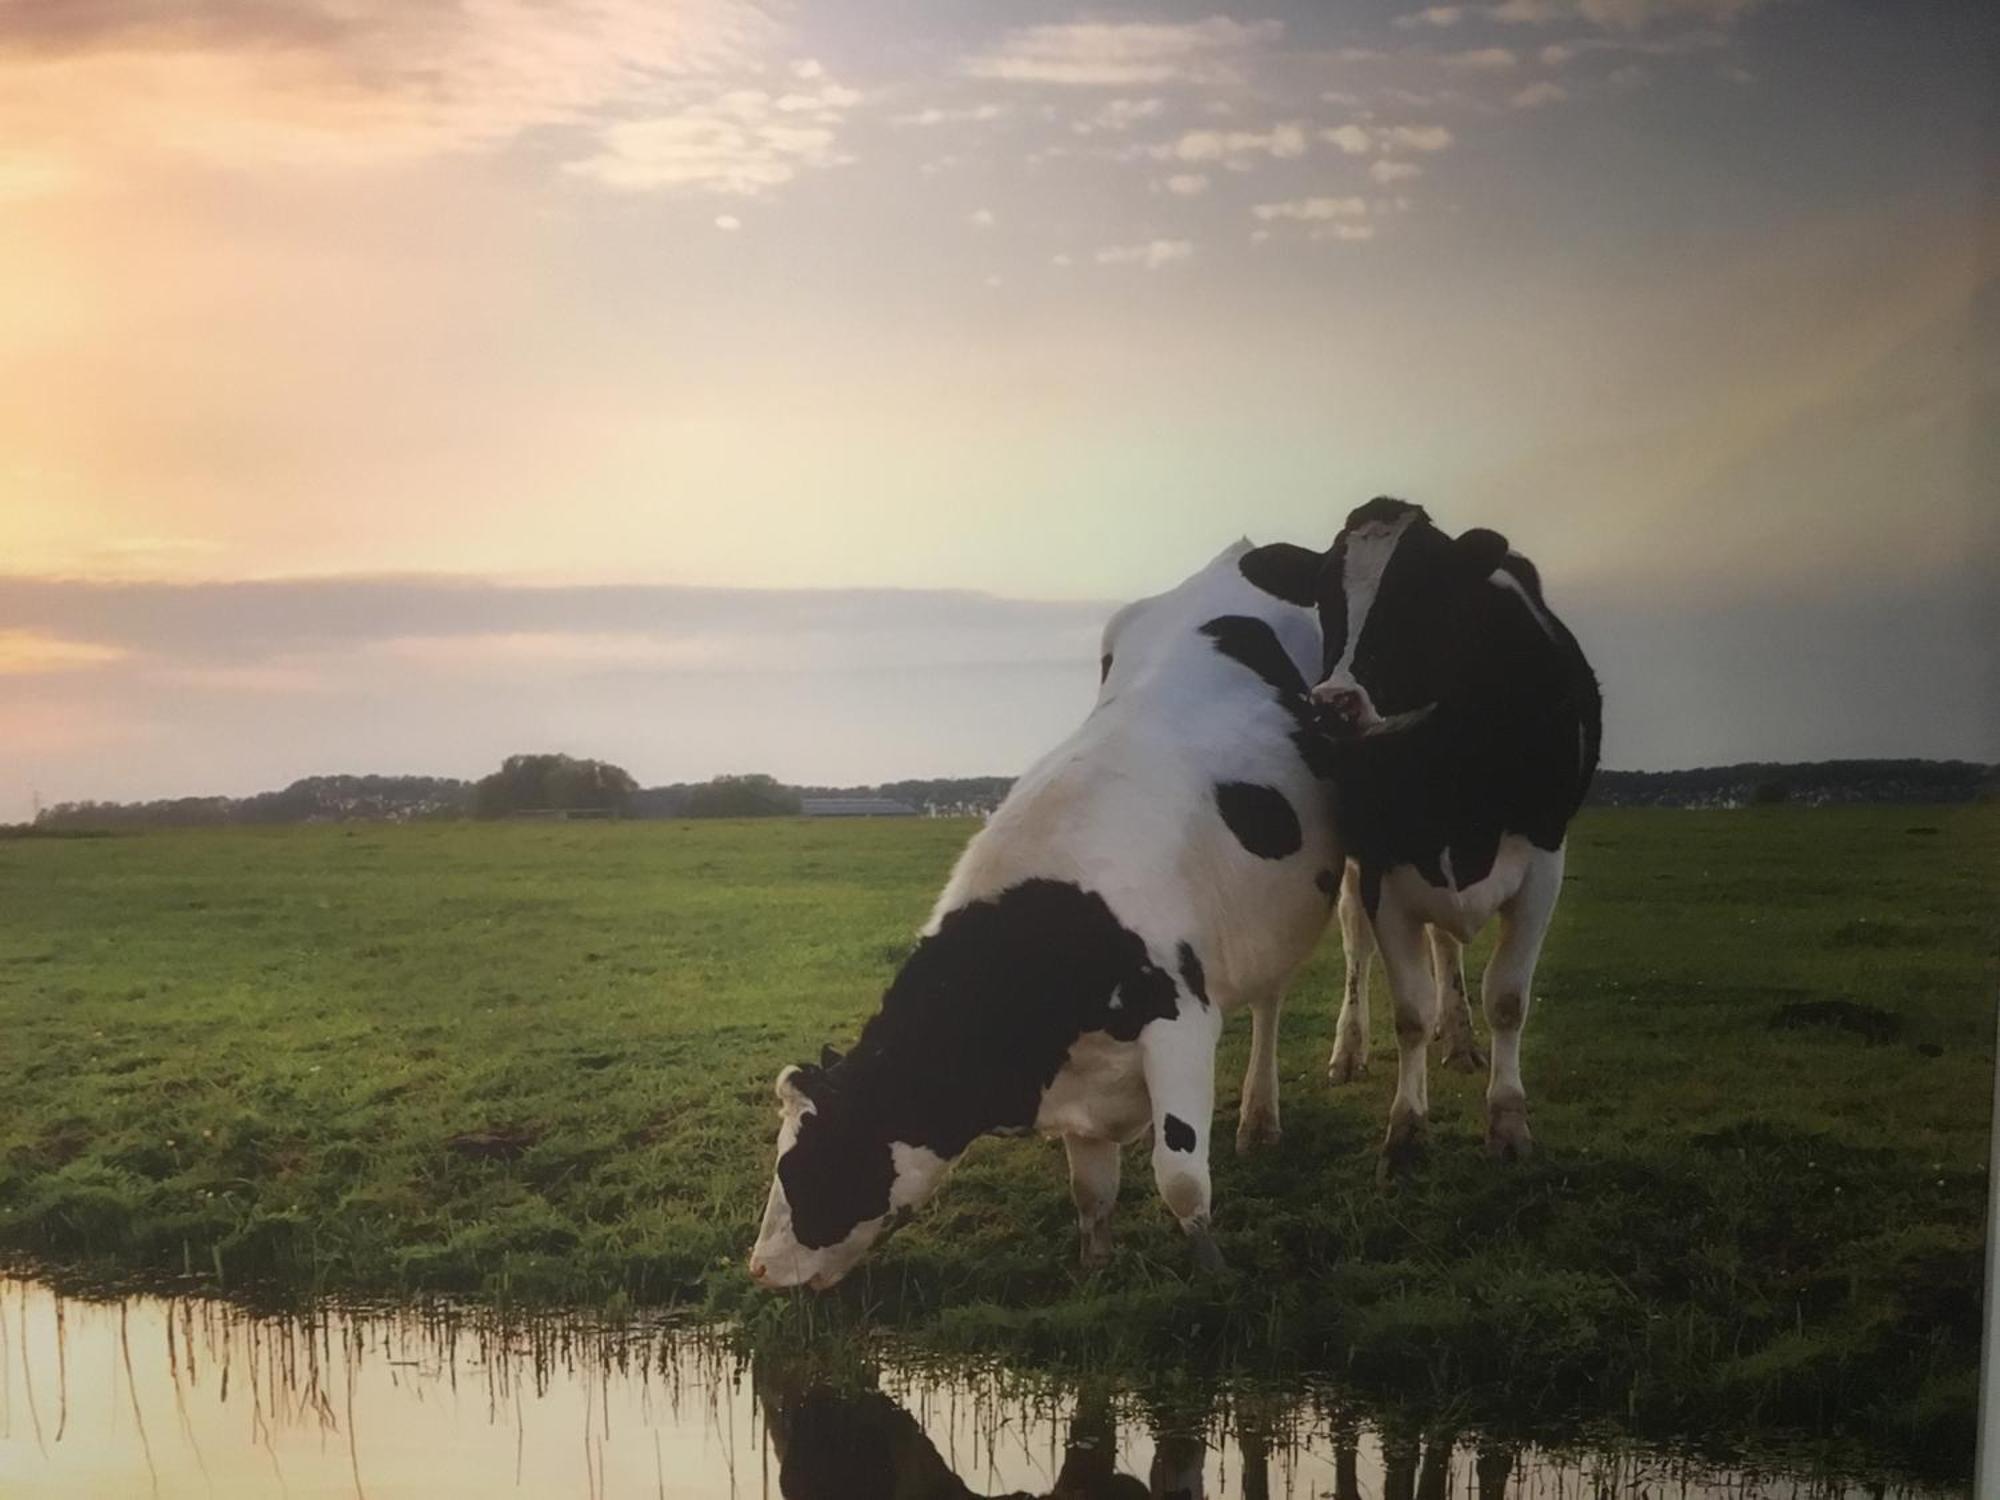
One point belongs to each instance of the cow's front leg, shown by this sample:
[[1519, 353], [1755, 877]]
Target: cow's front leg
[[1510, 973], [1179, 1059], [1357, 947], [1093, 1183], [1400, 936], [1461, 1051], [1257, 1118]]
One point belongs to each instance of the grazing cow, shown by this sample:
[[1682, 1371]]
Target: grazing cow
[[1467, 722], [1171, 860]]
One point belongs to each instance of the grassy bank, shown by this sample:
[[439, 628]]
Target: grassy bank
[[535, 1061]]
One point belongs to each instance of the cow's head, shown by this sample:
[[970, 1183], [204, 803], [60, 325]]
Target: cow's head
[[840, 1182], [1396, 596]]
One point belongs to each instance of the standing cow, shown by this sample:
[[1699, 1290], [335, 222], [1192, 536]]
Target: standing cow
[[1171, 860], [1468, 724]]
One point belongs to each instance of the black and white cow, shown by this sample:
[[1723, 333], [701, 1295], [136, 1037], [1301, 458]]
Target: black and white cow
[[1173, 859], [1467, 721]]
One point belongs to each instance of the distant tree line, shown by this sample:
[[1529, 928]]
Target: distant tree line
[[562, 785], [1814, 783]]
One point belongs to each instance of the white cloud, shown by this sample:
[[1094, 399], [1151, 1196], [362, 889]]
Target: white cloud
[[1188, 184], [1343, 232], [1119, 114], [1152, 254], [980, 218], [1385, 171], [737, 141], [1433, 15], [1112, 53], [1415, 137], [1483, 60], [728, 222], [1621, 15], [1351, 139], [1537, 94], [1312, 210], [1233, 147], [936, 115]]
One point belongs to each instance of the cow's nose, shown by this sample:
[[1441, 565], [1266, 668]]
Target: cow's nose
[[758, 1270], [1342, 703]]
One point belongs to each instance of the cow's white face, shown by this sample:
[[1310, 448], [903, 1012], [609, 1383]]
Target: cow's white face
[[1392, 612], [837, 1188]]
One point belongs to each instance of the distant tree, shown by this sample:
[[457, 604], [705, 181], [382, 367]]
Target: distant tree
[[751, 796], [1771, 793], [552, 783]]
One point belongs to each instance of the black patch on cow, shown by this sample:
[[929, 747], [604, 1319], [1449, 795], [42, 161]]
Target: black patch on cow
[[1328, 882], [1103, 667], [1260, 817], [1511, 740], [974, 1028], [1254, 644], [1178, 1134], [1285, 572], [1192, 974]]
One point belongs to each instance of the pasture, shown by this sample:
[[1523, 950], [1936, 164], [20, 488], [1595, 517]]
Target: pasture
[[533, 1062]]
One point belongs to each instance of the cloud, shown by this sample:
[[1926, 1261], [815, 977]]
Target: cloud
[[1351, 139], [732, 141], [1308, 210], [980, 218], [1343, 233], [1415, 138], [1386, 171], [1152, 254], [1119, 115], [349, 84], [32, 653], [1433, 15], [1188, 184], [1538, 94], [1113, 53], [961, 115], [728, 222], [1621, 15], [1483, 60], [1234, 148]]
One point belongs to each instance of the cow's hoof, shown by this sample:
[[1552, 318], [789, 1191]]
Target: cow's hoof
[[1260, 1129], [1507, 1136], [1207, 1258], [1347, 1065], [1465, 1059], [1402, 1149]]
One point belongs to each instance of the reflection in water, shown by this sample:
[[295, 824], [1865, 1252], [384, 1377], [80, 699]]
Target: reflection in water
[[173, 1397]]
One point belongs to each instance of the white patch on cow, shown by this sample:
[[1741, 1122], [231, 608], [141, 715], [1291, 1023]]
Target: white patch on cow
[[1506, 580], [1369, 549], [1100, 1094], [1462, 912], [919, 1170]]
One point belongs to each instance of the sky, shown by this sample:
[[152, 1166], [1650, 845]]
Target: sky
[[390, 385]]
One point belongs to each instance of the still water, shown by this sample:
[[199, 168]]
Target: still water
[[153, 1396]]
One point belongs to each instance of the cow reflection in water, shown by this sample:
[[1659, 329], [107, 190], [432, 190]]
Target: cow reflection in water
[[862, 1444], [845, 1446]]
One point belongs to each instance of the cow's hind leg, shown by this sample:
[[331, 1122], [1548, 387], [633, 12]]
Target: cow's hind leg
[[1510, 973], [1400, 936], [1357, 946], [1257, 1119], [1461, 1051], [1179, 1059], [1093, 1183]]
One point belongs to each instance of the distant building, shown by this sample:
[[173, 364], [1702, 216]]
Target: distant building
[[855, 807]]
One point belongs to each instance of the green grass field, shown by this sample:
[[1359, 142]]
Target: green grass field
[[534, 1061]]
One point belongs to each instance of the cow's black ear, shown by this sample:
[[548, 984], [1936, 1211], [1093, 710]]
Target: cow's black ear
[[1287, 572], [1481, 550], [828, 1058]]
